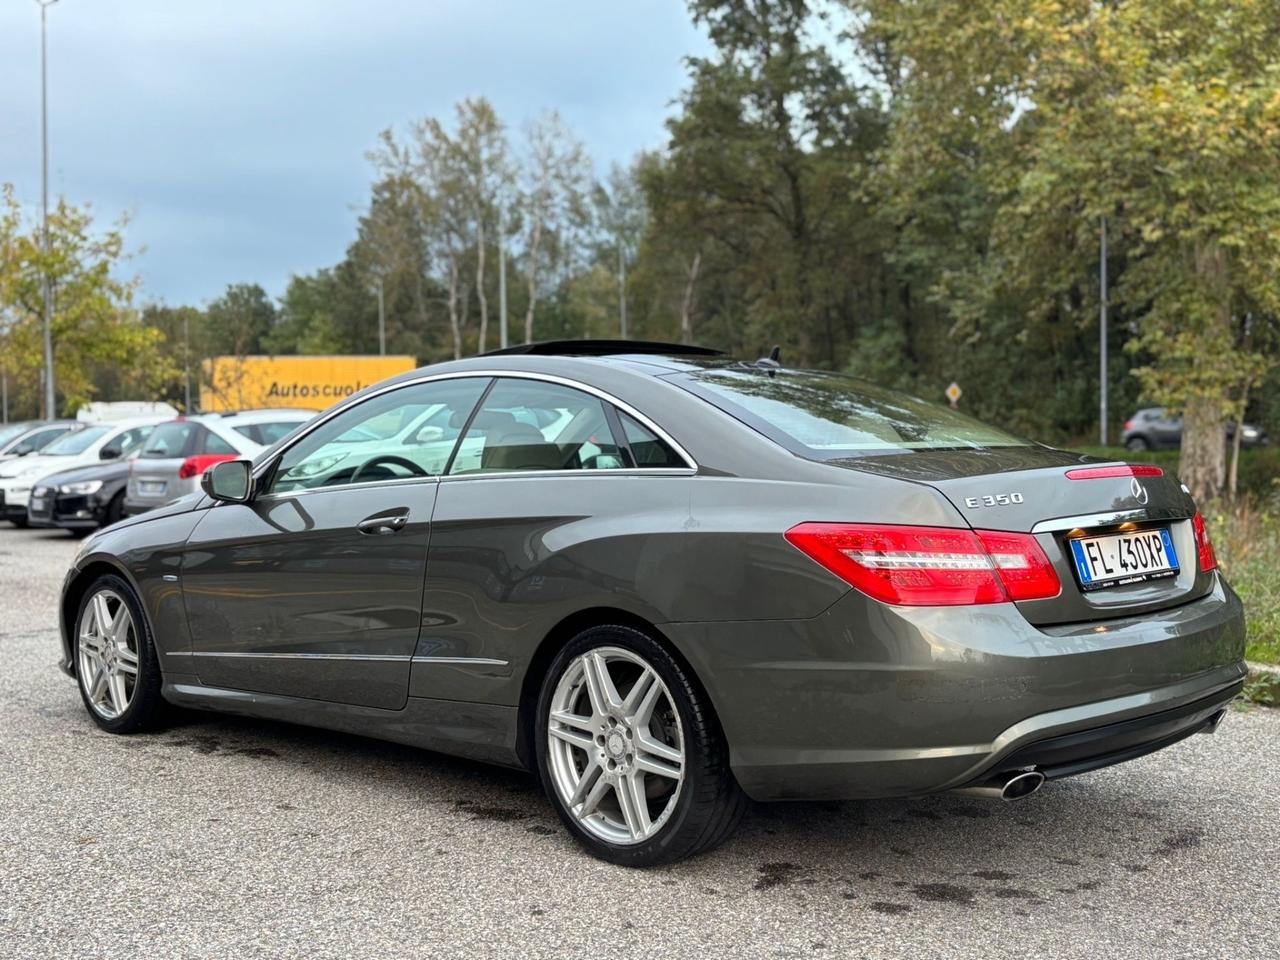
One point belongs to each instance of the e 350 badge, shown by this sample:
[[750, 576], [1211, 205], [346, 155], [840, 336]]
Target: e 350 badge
[[993, 500]]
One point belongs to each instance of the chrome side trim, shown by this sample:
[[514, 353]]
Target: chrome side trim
[[1086, 521], [643, 419], [472, 661], [394, 658]]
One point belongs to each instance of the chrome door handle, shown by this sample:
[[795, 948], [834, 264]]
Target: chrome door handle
[[380, 526]]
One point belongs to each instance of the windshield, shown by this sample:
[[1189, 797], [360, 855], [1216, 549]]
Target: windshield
[[830, 416], [74, 443]]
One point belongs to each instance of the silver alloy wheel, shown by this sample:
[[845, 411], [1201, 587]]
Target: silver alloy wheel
[[107, 647], [617, 759]]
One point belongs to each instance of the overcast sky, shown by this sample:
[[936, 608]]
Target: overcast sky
[[233, 133]]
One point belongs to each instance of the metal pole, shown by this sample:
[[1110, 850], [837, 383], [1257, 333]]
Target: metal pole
[[186, 357], [1102, 316], [49, 397], [502, 281], [4, 396], [622, 291], [382, 322]]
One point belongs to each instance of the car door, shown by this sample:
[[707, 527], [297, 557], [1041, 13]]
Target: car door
[[545, 511], [314, 588]]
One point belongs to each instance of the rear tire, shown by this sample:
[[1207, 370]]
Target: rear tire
[[117, 669], [1137, 444], [630, 751], [19, 522]]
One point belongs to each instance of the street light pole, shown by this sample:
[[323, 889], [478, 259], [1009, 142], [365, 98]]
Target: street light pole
[[49, 401], [1102, 318], [382, 322]]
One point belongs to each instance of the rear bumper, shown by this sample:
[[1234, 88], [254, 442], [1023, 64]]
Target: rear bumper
[[875, 701]]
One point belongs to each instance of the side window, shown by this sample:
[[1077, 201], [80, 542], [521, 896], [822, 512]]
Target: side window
[[216, 445], [648, 448], [533, 425], [249, 430], [125, 443], [172, 439], [404, 433], [269, 433]]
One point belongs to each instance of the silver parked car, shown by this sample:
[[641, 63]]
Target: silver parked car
[[179, 451]]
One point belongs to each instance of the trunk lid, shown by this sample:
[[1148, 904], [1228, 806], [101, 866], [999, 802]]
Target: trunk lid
[[1028, 490]]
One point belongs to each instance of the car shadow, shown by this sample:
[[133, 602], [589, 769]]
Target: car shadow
[[1069, 842]]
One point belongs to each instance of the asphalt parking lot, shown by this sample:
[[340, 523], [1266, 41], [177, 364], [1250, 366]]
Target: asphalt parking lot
[[230, 838]]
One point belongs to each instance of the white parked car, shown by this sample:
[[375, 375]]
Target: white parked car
[[180, 450], [79, 448]]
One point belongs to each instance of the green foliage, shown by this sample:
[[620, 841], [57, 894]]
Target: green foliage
[[97, 333], [1263, 688]]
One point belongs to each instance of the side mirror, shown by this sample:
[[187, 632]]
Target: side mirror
[[230, 481], [109, 453]]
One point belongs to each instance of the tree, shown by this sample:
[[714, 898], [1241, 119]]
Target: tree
[[95, 325], [556, 177], [1162, 117], [620, 215]]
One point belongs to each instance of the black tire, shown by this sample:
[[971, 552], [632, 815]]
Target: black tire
[[1137, 444], [710, 803], [114, 511], [146, 709], [19, 522]]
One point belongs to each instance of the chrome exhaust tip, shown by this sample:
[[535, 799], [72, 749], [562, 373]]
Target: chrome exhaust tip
[[1007, 786], [1022, 785]]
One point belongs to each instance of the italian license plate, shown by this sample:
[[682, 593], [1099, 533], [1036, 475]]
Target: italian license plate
[[1121, 558], [37, 505], [151, 488]]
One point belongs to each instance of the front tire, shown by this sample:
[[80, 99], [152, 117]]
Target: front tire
[[631, 753], [117, 669]]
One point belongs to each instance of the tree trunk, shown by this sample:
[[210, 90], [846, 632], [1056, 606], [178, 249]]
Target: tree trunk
[[454, 326], [686, 307], [480, 294], [1202, 464], [535, 238]]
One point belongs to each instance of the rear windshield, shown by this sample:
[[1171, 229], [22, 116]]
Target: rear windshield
[[170, 439], [829, 416], [74, 443]]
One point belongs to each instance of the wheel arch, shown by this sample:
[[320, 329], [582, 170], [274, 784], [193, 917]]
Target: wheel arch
[[73, 593], [555, 640]]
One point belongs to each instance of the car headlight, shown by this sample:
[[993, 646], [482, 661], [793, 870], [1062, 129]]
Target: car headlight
[[1250, 431], [84, 487]]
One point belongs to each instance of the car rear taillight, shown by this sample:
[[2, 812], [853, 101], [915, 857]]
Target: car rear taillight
[[1122, 470], [1204, 546], [930, 566], [194, 466], [1128, 425]]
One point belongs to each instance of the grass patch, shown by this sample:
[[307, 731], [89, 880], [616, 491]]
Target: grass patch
[[1246, 537]]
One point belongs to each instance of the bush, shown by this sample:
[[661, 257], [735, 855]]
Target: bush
[[1246, 538]]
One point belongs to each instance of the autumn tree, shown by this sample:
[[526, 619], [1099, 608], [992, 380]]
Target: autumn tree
[[1163, 118]]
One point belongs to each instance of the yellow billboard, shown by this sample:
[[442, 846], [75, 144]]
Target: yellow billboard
[[313, 383]]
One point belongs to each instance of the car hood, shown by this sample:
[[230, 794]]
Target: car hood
[[35, 465], [181, 505], [107, 470]]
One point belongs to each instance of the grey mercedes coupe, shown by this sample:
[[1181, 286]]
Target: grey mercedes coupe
[[668, 581]]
